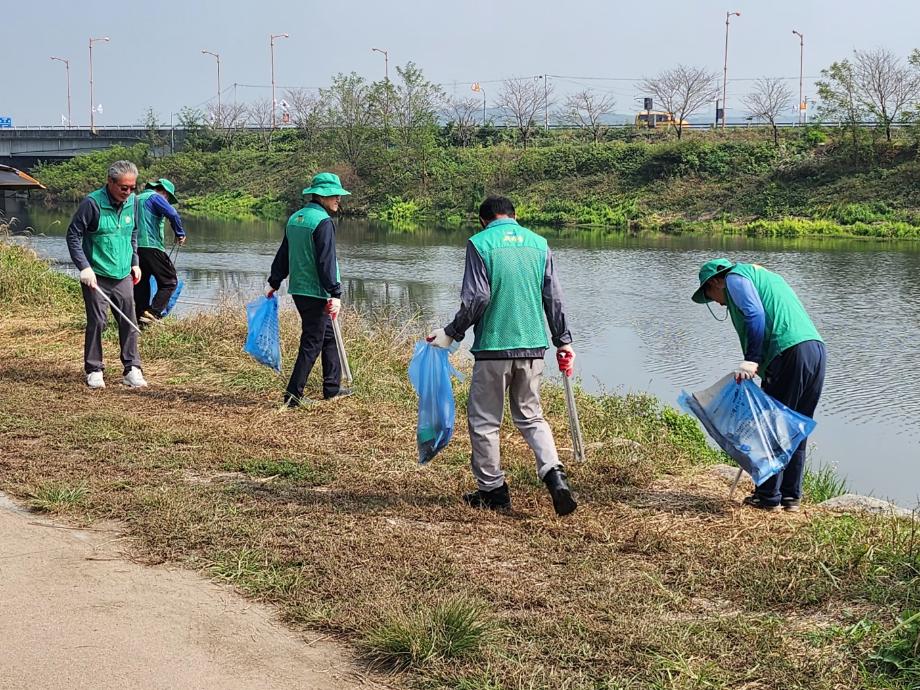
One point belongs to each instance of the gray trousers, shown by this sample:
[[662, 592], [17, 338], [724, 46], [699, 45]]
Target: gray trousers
[[486, 406], [121, 292]]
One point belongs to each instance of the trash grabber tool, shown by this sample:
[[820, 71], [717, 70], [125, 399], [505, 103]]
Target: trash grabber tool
[[340, 346], [578, 445], [117, 310], [731, 491]]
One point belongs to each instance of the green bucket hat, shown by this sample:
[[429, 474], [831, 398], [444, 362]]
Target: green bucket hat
[[711, 269], [326, 184], [167, 187]]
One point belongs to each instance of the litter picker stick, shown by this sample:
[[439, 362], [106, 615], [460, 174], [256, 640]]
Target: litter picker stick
[[340, 346], [735, 484], [116, 309], [578, 443]]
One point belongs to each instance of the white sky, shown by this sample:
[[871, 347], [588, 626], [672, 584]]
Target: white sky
[[154, 56]]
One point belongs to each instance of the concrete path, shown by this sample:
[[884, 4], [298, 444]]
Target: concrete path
[[74, 614]]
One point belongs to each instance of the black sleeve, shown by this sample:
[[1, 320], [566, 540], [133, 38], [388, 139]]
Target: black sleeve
[[280, 266], [553, 304], [324, 244], [85, 219], [475, 294]]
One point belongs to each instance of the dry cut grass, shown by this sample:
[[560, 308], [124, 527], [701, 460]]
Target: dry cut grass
[[657, 581]]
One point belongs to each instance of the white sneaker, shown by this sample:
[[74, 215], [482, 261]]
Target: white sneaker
[[134, 378], [94, 380]]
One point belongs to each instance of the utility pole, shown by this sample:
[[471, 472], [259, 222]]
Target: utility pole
[[728, 16], [92, 99], [67, 67], [545, 102], [801, 107], [271, 43], [216, 55]]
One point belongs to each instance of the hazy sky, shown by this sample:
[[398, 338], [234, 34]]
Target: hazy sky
[[154, 57]]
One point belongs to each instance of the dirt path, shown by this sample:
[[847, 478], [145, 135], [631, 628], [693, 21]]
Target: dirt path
[[74, 614]]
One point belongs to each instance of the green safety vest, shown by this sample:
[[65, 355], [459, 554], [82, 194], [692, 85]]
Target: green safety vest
[[109, 249], [786, 324], [515, 260], [304, 277], [150, 229]]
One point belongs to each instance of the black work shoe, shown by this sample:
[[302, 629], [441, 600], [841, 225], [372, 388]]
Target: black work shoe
[[343, 393], [496, 499], [792, 505], [755, 501], [292, 401], [563, 501]]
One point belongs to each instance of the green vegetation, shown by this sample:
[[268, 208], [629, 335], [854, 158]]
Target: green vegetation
[[822, 484], [657, 581]]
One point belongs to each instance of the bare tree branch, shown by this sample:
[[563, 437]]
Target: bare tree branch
[[682, 91], [520, 100], [769, 98], [885, 84], [586, 110], [462, 114]]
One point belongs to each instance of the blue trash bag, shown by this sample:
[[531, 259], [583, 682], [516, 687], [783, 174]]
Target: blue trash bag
[[263, 340], [758, 432], [173, 298], [430, 371]]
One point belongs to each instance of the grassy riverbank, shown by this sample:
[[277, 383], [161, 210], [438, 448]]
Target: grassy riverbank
[[656, 582], [736, 183]]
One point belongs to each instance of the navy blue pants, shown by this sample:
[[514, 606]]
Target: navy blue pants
[[795, 378], [316, 337]]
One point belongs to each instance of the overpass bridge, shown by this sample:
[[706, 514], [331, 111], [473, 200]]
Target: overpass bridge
[[23, 147]]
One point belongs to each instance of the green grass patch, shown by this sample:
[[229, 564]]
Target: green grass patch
[[54, 497], [822, 484], [287, 469]]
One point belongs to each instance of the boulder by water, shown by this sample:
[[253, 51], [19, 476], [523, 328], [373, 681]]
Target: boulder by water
[[853, 503]]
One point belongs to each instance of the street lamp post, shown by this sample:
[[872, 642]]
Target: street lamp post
[[728, 15], [92, 98], [545, 78], [801, 68], [386, 86], [477, 88], [67, 67], [271, 42], [217, 56]]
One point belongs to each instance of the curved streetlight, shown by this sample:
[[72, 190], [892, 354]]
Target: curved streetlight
[[386, 88], [801, 66], [67, 67], [271, 42], [92, 99], [217, 56], [728, 15]]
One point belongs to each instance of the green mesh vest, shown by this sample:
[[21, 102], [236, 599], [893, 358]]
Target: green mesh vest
[[304, 277], [109, 249], [515, 260], [787, 322], [150, 229]]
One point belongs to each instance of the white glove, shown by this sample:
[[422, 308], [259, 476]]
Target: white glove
[[746, 370], [136, 274], [88, 278], [439, 338], [333, 305]]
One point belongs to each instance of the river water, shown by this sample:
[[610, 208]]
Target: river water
[[635, 328]]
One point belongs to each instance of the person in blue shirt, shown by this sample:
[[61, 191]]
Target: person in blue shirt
[[154, 207]]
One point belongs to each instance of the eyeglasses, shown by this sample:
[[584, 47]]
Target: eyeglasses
[[125, 187]]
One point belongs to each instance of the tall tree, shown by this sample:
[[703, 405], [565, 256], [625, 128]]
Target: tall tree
[[840, 99], [768, 100], [413, 103], [305, 112], [462, 115], [886, 85], [682, 91], [348, 113], [521, 100], [587, 110]]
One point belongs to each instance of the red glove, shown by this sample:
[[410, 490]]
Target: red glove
[[566, 361]]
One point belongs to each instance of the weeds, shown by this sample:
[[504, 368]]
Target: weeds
[[57, 498], [822, 484]]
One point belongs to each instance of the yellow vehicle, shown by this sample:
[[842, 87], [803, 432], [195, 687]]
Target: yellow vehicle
[[659, 118]]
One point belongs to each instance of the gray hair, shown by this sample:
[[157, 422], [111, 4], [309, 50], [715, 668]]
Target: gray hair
[[119, 169]]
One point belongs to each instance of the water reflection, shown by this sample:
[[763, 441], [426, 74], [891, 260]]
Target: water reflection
[[635, 326]]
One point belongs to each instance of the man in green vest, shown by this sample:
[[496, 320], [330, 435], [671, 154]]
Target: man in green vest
[[102, 240], [509, 284], [307, 255], [154, 206], [781, 345]]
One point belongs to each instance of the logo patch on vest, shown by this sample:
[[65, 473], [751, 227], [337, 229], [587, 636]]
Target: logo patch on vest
[[512, 237], [127, 219]]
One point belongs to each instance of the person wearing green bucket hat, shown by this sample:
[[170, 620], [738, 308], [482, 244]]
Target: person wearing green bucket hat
[[307, 257], [780, 344], [154, 206]]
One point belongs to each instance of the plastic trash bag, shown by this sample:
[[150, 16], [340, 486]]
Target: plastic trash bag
[[758, 432], [430, 371], [263, 340], [173, 298]]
